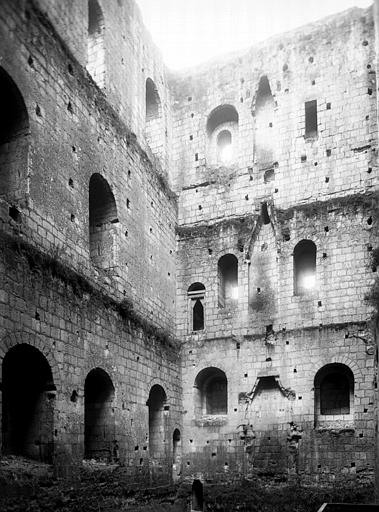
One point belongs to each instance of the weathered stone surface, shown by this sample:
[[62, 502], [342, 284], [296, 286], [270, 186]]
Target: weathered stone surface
[[123, 206]]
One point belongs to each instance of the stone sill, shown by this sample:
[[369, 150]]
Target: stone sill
[[217, 420], [336, 426]]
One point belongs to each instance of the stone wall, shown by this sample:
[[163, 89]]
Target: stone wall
[[88, 247], [259, 263], [282, 186]]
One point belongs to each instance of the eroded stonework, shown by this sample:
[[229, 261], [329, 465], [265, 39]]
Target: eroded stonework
[[187, 258]]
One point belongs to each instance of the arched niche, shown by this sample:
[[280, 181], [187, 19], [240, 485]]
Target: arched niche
[[28, 404], [95, 43], [222, 134], [211, 392], [157, 428], [14, 140], [99, 423]]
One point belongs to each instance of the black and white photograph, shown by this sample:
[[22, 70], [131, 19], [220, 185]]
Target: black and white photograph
[[189, 256]]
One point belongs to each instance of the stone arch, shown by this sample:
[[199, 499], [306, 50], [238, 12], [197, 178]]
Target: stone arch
[[154, 119], [18, 338], [95, 360], [341, 359], [165, 385], [157, 403], [103, 218]]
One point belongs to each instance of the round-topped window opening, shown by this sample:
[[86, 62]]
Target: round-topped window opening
[[222, 131], [225, 146]]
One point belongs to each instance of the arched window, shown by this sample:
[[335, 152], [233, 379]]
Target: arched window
[[14, 140], [222, 130], [304, 260], [154, 129], [153, 102], [224, 146], [211, 392], [102, 217], [176, 455], [196, 295], [227, 279], [99, 424], [95, 43], [263, 113], [197, 496], [156, 403], [28, 404], [334, 392]]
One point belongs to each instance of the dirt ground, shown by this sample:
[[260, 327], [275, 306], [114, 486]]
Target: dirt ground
[[28, 486]]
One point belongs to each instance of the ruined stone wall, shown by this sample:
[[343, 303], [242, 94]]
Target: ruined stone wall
[[130, 57], [281, 186], [78, 332], [73, 134], [106, 306]]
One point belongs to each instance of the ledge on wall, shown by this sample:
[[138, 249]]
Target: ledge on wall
[[335, 427], [212, 420]]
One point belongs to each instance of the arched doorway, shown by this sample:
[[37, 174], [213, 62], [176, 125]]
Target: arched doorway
[[99, 425], [156, 404], [28, 404], [197, 496]]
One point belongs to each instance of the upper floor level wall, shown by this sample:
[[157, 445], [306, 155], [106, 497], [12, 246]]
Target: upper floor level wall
[[126, 58], [75, 182], [305, 123]]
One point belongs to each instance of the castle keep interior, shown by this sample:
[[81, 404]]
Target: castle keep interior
[[187, 258]]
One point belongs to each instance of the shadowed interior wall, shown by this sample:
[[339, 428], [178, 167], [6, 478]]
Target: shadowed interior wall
[[99, 423], [28, 404]]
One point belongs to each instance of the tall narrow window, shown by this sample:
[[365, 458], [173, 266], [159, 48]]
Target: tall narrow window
[[154, 128], [222, 130], [95, 43], [264, 213], [102, 217], [153, 102], [14, 140], [304, 258], [264, 124], [311, 118], [228, 279], [224, 146], [196, 295], [211, 392], [156, 404], [99, 424]]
